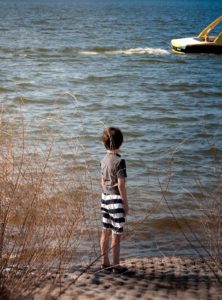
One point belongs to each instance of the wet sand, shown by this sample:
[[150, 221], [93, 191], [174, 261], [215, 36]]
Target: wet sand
[[147, 278]]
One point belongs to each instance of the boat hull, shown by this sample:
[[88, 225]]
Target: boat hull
[[214, 49]]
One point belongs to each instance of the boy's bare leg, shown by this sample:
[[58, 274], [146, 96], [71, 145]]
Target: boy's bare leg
[[104, 246], [115, 248]]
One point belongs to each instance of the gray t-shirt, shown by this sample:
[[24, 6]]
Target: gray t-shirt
[[112, 168]]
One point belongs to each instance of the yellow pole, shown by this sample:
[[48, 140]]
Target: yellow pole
[[206, 30]]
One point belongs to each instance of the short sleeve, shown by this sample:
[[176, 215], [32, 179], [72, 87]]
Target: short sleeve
[[121, 169]]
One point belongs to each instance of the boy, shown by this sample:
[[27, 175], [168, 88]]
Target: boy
[[114, 204]]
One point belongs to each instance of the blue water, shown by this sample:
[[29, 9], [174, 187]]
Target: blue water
[[82, 65]]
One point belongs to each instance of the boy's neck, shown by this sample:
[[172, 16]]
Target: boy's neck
[[113, 151]]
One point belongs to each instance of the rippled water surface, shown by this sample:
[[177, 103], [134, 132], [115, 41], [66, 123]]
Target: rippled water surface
[[96, 63]]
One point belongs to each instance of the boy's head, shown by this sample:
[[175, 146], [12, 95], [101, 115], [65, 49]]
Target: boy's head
[[112, 138]]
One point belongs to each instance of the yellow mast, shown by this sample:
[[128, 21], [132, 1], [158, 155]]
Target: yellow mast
[[206, 30]]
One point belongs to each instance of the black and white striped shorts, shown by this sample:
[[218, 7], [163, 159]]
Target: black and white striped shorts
[[113, 213]]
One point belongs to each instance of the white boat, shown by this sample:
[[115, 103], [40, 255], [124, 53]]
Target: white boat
[[203, 43]]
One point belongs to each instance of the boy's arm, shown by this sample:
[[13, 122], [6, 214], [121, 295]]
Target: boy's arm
[[102, 181], [122, 190]]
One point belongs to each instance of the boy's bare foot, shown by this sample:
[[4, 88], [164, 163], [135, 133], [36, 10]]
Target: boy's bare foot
[[107, 269], [119, 269]]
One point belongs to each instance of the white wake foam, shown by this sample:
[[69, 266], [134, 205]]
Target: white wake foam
[[89, 53], [139, 51], [157, 51]]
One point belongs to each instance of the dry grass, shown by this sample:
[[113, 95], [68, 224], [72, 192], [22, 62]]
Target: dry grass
[[205, 239], [210, 207], [42, 211]]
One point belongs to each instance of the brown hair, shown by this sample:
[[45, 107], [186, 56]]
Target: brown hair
[[112, 138]]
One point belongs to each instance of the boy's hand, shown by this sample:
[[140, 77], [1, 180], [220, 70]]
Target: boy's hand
[[126, 210], [122, 190]]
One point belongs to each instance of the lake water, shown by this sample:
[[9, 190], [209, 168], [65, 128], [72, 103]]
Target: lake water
[[82, 65]]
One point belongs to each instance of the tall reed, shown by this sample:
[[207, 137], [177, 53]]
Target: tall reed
[[42, 208], [205, 196]]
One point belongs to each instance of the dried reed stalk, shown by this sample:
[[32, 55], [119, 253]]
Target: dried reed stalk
[[42, 210], [207, 240]]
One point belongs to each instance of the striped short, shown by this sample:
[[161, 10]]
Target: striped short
[[113, 213]]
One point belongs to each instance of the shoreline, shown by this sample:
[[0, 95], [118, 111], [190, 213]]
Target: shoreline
[[157, 278]]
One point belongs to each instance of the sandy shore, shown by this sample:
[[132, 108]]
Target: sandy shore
[[147, 278]]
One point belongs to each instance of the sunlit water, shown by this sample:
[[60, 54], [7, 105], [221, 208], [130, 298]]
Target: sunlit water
[[102, 63]]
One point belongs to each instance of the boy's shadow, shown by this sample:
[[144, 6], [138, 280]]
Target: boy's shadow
[[151, 280]]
